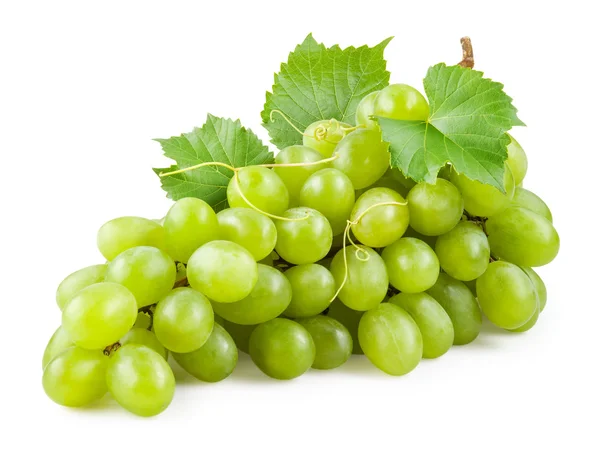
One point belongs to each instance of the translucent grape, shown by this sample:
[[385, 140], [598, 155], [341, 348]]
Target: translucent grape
[[333, 342], [334, 132], [58, 343], [240, 334], [313, 287], [529, 324], [262, 187], [517, 160], [250, 229], [401, 102], [538, 284], [124, 233], [464, 252], [411, 264], [77, 281], [140, 336], [527, 199], [307, 240], [223, 271], [364, 110], [434, 208]]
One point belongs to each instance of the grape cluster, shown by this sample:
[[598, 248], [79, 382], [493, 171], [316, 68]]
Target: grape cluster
[[326, 253]]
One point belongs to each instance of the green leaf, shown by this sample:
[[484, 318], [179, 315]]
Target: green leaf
[[319, 83], [468, 120], [219, 140]]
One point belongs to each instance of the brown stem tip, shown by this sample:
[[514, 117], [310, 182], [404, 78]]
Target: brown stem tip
[[467, 47]]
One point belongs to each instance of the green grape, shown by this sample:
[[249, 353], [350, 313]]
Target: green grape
[[460, 304], [77, 281], [295, 176], [306, 240], [269, 298], [379, 226], [140, 380], [313, 287], [141, 336], [330, 192], [517, 160], [282, 349], [99, 315], [406, 182], [350, 319], [262, 187], [445, 172], [401, 102], [365, 109], [434, 208], [464, 252], [189, 224], [75, 377], [333, 342], [482, 199], [147, 272], [506, 295], [366, 277], [538, 284], [388, 180], [529, 324], [124, 233], [411, 264], [434, 323], [212, 362], [363, 157], [268, 260], [240, 334], [472, 285], [527, 199], [522, 237], [183, 320], [218, 319], [223, 271], [250, 229], [333, 133], [391, 339], [142, 321], [58, 343], [429, 240]]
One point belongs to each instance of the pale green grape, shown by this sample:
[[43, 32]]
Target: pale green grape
[[250, 229], [333, 342], [189, 224], [269, 298], [124, 233], [391, 339], [540, 287], [366, 277], [522, 237], [464, 252], [527, 199], [268, 260], [330, 192], [212, 362], [240, 334], [223, 271], [411, 264], [305, 240], [350, 319], [99, 315], [401, 102], [517, 160], [183, 320], [262, 187], [334, 132], [140, 336], [295, 176], [75, 377], [472, 285], [364, 110], [434, 323], [282, 349], [379, 226], [363, 157], [313, 287], [147, 272], [434, 208], [429, 240], [506, 295], [142, 321], [388, 180], [529, 324], [140, 380], [58, 343], [77, 281], [460, 304]]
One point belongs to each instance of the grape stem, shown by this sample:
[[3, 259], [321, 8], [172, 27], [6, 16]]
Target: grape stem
[[321, 131], [111, 349], [468, 61]]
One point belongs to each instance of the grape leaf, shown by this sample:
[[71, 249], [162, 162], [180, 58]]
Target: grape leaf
[[320, 83], [219, 140], [468, 120]]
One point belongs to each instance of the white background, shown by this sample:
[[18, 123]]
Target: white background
[[84, 86]]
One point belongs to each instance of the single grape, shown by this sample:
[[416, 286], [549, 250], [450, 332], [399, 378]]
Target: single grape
[[142, 321], [282, 349], [58, 343], [366, 277], [328, 134], [538, 284], [460, 304], [250, 229], [522, 237], [529, 324], [379, 226], [391, 339], [75, 377], [330, 192], [411, 264], [77, 281], [464, 251], [268, 299], [333, 342], [212, 362], [223, 271], [527, 199], [517, 160], [140, 336], [147, 272], [401, 102], [313, 287], [365, 109], [363, 157], [350, 319], [124, 233], [506, 295], [240, 334], [305, 240], [99, 315], [262, 187], [435, 209], [189, 224], [183, 320]]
